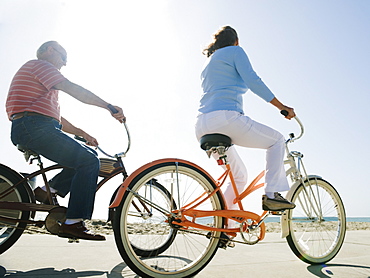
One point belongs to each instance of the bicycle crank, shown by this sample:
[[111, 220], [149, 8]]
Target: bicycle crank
[[54, 219], [250, 232]]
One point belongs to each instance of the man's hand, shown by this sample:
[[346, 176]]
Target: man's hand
[[117, 113], [70, 128], [91, 141]]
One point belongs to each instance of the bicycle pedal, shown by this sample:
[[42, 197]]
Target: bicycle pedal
[[73, 240], [225, 242]]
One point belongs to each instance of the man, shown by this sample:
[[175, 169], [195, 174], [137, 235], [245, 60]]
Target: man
[[32, 106]]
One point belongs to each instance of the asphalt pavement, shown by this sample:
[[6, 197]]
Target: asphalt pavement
[[45, 256]]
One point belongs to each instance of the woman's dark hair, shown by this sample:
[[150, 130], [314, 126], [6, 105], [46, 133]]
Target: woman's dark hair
[[226, 36]]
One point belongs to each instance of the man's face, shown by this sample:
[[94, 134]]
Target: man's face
[[58, 56]]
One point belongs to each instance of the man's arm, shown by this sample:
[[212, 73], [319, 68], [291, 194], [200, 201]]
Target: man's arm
[[87, 97], [71, 129]]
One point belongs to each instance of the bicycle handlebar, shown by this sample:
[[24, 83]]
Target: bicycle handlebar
[[122, 154], [292, 137]]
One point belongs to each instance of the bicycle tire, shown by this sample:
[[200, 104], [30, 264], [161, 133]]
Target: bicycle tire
[[159, 247], [10, 232], [317, 225], [190, 250]]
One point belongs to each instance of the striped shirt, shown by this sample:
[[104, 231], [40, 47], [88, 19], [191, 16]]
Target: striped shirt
[[32, 89]]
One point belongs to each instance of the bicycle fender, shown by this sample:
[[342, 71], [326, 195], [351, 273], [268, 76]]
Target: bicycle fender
[[26, 185], [123, 187], [284, 217]]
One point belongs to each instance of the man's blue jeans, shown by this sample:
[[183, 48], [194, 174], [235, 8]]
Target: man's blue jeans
[[43, 135]]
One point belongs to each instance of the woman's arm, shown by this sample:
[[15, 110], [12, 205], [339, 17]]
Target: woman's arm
[[275, 102]]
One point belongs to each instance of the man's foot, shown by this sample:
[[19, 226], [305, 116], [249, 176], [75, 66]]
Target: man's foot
[[42, 196], [78, 230], [276, 204]]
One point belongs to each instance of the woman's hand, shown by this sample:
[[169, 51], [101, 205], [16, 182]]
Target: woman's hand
[[291, 113], [275, 102]]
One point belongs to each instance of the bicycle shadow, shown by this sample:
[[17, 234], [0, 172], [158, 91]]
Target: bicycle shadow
[[123, 271], [322, 271], [119, 271], [328, 270], [49, 272]]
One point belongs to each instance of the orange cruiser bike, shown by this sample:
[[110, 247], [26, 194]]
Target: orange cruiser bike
[[170, 216]]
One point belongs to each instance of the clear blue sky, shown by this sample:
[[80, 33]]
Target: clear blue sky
[[146, 57]]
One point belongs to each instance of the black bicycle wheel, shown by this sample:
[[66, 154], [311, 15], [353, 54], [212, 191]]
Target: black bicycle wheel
[[190, 250], [10, 228], [157, 193]]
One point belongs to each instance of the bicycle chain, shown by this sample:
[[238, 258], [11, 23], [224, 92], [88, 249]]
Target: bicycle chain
[[229, 240]]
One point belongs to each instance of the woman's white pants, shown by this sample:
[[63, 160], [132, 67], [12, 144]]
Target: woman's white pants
[[245, 132]]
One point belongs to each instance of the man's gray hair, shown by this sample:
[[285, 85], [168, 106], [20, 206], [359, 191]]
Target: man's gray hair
[[44, 47]]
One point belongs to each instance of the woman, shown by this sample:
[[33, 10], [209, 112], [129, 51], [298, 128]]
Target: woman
[[226, 76]]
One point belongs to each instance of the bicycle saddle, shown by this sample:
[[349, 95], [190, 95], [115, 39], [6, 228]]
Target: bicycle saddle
[[26, 152], [214, 140]]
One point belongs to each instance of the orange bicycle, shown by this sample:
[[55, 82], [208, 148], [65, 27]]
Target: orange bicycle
[[170, 216]]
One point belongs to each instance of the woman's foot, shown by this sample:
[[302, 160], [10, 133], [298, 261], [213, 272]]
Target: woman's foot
[[276, 204]]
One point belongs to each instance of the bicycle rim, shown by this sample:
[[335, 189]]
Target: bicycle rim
[[190, 250], [10, 231], [318, 223]]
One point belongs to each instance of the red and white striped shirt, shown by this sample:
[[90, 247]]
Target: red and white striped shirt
[[32, 89]]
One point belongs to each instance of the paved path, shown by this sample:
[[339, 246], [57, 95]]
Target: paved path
[[47, 256]]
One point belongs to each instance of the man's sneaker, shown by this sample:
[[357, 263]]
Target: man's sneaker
[[78, 231], [276, 204]]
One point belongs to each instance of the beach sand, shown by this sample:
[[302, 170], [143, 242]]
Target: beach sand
[[102, 227]]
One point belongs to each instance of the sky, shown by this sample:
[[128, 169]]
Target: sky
[[145, 56]]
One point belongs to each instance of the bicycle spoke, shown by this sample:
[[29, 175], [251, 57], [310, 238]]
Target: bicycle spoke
[[317, 224], [183, 251]]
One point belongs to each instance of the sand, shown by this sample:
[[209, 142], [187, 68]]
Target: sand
[[102, 227]]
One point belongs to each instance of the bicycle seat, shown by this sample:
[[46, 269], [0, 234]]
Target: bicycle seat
[[214, 140], [26, 152]]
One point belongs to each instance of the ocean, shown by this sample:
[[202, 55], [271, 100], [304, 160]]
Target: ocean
[[358, 219], [349, 219]]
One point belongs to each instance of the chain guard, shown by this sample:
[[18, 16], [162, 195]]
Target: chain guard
[[54, 219]]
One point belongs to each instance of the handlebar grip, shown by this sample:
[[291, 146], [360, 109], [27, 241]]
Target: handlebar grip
[[80, 139], [284, 113], [111, 108]]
